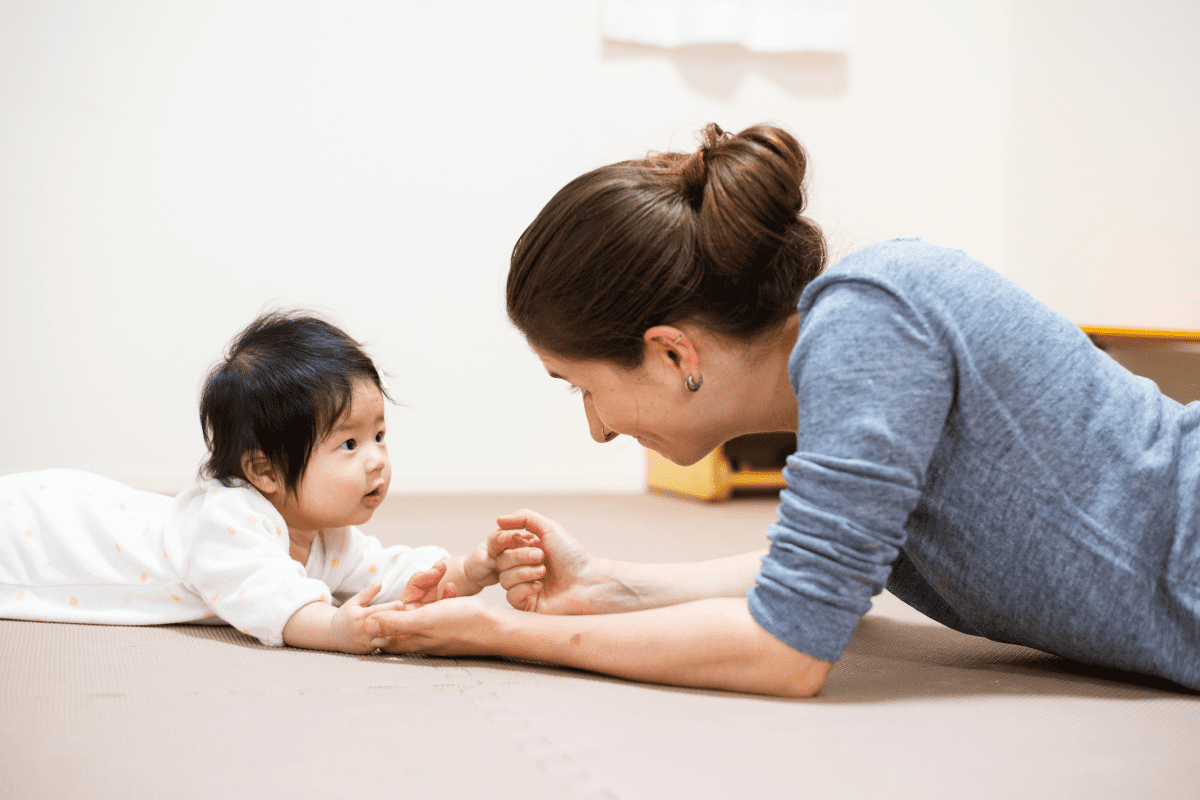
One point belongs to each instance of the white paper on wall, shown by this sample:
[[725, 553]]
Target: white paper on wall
[[763, 26]]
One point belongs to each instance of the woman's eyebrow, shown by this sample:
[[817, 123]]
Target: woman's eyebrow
[[555, 375]]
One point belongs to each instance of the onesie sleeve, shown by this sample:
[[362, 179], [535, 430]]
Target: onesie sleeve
[[874, 384], [355, 560], [238, 562]]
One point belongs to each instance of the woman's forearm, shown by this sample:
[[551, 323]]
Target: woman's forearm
[[621, 586], [712, 644]]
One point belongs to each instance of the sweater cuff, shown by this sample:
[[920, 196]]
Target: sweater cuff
[[802, 623]]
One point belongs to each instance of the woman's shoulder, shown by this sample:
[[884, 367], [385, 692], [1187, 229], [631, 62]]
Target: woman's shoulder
[[919, 274], [898, 259]]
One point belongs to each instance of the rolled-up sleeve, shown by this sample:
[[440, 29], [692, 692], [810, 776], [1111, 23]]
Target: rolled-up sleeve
[[874, 383]]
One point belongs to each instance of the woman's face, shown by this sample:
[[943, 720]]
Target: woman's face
[[649, 403]]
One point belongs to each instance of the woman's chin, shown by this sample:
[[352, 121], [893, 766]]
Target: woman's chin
[[682, 458]]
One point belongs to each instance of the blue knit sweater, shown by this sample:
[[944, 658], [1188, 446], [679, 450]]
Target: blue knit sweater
[[971, 450]]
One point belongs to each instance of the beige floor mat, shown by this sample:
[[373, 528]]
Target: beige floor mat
[[913, 710]]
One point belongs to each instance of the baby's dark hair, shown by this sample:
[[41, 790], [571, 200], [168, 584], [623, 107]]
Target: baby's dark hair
[[283, 384]]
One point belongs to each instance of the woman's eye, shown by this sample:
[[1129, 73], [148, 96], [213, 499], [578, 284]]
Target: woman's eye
[[573, 389], [349, 444]]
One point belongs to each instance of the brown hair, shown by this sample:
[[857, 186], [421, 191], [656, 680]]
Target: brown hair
[[714, 237]]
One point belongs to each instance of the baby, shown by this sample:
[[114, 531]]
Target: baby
[[293, 419]]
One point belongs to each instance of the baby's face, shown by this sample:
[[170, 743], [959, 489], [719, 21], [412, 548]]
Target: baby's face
[[348, 472]]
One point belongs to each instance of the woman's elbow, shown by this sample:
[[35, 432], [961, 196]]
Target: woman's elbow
[[785, 672], [809, 683], [800, 683]]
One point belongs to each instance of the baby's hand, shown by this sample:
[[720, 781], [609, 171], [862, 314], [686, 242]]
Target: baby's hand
[[502, 551], [422, 588], [347, 625], [518, 560]]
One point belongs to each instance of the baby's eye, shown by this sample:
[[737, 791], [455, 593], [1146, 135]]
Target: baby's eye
[[349, 444], [379, 437]]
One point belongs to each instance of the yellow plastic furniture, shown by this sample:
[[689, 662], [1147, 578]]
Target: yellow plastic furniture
[[712, 478]]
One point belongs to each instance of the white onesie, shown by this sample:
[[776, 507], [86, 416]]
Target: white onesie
[[77, 547]]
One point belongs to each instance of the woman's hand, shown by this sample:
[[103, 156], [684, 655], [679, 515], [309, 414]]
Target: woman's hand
[[466, 575], [503, 549], [569, 581], [451, 627], [576, 582]]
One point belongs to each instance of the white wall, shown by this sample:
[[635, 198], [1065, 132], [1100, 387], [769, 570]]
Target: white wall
[[169, 168], [1104, 191]]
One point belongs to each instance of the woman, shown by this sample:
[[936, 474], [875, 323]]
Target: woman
[[957, 442]]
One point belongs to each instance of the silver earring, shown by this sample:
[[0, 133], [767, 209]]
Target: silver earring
[[678, 340], [693, 386]]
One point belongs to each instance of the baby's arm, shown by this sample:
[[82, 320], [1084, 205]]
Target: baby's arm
[[469, 574], [320, 626]]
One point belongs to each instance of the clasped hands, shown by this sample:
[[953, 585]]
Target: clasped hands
[[540, 566]]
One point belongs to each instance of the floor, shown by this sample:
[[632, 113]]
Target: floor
[[913, 709]]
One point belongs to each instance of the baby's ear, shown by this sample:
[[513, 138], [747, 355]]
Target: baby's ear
[[260, 473]]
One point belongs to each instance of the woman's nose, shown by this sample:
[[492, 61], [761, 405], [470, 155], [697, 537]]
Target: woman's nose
[[595, 426]]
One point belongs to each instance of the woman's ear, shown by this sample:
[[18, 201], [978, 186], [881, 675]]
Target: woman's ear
[[260, 473], [674, 344]]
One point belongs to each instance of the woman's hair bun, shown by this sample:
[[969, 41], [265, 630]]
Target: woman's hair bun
[[693, 171], [751, 194], [715, 237]]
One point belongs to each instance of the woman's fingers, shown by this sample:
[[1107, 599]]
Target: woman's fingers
[[394, 605], [528, 520], [444, 628], [523, 596], [395, 644], [518, 575], [519, 557], [389, 625]]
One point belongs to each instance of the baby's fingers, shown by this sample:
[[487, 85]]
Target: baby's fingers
[[502, 540], [421, 582], [365, 597]]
